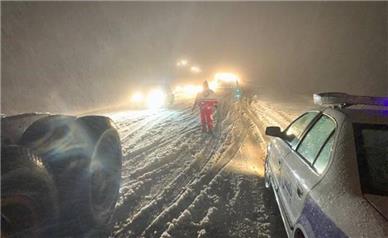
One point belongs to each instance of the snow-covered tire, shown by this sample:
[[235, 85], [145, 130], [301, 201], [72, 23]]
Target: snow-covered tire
[[79, 153], [100, 181], [28, 196]]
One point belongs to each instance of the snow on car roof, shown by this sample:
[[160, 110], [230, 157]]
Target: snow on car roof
[[344, 99], [361, 109], [367, 114]]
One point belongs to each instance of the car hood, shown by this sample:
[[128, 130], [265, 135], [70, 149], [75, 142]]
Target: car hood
[[380, 203]]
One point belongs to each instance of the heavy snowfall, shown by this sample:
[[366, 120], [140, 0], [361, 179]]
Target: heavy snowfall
[[88, 58], [180, 182]]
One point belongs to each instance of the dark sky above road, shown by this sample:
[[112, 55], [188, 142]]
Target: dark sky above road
[[72, 56]]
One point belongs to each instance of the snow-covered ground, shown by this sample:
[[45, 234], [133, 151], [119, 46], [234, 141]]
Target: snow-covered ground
[[179, 182]]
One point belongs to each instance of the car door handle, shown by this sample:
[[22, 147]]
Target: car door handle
[[299, 191]]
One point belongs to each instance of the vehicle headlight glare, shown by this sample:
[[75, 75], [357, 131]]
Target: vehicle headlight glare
[[137, 97], [156, 99]]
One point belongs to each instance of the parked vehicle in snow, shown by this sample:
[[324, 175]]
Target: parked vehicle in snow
[[57, 170], [228, 83], [329, 168]]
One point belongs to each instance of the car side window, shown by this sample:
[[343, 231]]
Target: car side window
[[295, 130], [324, 156], [315, 138]]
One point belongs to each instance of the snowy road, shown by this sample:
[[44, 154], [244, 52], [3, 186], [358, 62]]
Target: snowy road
[[178, 182]]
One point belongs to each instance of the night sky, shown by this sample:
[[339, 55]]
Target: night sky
[[75, 56]]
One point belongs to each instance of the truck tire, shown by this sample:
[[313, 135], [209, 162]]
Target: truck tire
[[28, 196], [84, 156], [102, 177]]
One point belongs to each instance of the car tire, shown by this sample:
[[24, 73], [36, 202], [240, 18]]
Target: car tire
[[29, 205]]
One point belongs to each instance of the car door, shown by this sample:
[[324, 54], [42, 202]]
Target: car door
[[278, 150], [303, 166], [281, 147]]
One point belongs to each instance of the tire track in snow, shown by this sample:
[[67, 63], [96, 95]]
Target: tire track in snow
[[139, 222], [192, 195], [159, 136], [140, 191], [161, 140], [173, 155], [232, 205], [150, 123], [141, 158], [186, 198], [213, 167], [151, 174]]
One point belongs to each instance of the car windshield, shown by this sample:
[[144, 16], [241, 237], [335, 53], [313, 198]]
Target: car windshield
[[372, 156]]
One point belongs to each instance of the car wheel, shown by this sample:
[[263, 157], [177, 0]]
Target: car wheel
[[28, 196]]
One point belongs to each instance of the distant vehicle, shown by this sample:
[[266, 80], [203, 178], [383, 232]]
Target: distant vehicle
[[221, 84], [329, 168], [229, 85], [58, 170], [152, 96]]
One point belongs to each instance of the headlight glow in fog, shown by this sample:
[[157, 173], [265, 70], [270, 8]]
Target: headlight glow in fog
[[192, 90], [137, 97], [156, 98]]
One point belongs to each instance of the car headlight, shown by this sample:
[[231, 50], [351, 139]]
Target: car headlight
[[156, 98], [137, 97]]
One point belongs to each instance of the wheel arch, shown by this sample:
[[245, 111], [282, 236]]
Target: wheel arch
[[303, 229]]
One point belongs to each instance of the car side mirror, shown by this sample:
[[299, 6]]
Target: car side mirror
[[273, 131]]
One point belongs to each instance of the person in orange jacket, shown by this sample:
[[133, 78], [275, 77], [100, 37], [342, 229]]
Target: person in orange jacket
[[207, 101]]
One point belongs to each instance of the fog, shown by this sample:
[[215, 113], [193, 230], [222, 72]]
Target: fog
[[77, 56]]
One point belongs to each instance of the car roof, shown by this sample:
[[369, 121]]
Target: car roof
[[365, 114], [357, 109]]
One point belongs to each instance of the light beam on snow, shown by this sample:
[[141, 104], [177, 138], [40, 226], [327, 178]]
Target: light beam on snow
[[251, 161]]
